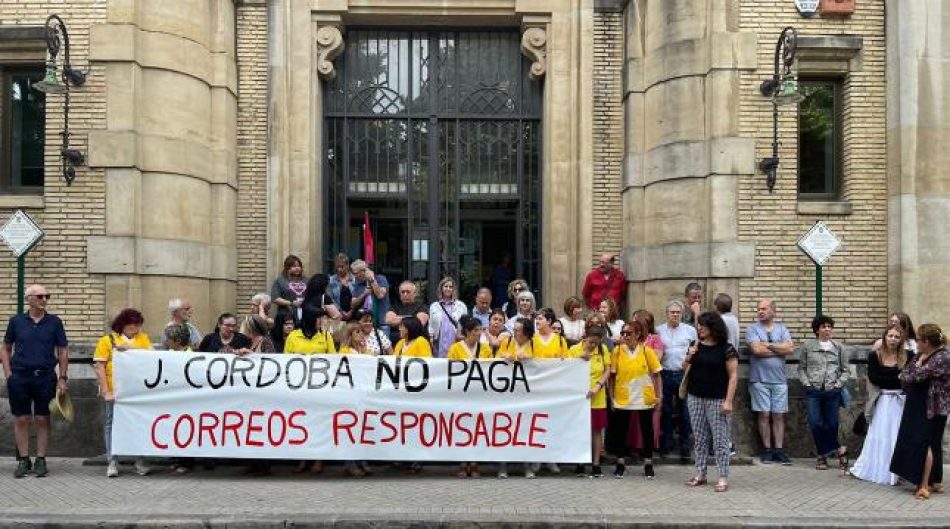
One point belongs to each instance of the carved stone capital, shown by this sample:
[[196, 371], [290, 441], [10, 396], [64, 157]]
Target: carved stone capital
[[534, 45], [329, 46]]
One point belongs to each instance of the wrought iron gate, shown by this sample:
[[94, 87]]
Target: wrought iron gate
[[436, 127]]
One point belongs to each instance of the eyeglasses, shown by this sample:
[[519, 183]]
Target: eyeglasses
[[42, 296], [626, 334]]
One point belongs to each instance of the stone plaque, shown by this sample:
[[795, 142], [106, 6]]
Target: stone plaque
[[819, 243], [20, 233]]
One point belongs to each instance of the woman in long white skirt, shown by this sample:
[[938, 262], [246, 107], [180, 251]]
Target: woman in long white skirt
[[885, 406]]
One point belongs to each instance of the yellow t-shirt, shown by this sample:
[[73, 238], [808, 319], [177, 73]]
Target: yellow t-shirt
[[321, 343], [347, 350], [460, 351], [105, 351], [509, 349], [419, 348], [633, 387], [599, 363], [554, 348]]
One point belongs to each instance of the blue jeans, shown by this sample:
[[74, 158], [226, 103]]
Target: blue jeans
[[107, 427], [674, 415], [822, 408]]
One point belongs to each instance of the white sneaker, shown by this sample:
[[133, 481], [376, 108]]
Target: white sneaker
[[553, 468], [502, 474], [529, 474], [142, 468], [113, 469]]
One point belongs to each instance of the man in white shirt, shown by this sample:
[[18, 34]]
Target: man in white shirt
[[676, 337], [723, 305]]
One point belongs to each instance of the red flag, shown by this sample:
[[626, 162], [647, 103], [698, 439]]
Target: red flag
[[369, 251]]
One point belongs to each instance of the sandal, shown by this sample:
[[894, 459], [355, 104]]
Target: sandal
[[937, 488], [822, 463], [923, 493], [473, 472], [843, 460], [696, 481], [462, 471], [722, 486]]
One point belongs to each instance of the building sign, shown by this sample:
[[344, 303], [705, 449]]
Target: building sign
[[819, 243], [350, 407], [807, 8], [20, 233]]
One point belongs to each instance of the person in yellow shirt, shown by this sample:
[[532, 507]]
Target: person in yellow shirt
[[548, 344], [310, 338], [637, 389], [470, 347], [520, 345], [413, 341], [354, 340], [592, 350], [126, 334]]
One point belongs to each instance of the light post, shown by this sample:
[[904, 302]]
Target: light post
[[782, 87], [57, 37]]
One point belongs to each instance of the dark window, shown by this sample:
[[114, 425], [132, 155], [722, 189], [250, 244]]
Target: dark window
[[819, 139], [23, 131]]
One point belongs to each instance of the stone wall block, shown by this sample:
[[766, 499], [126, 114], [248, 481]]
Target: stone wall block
[[180, 197], [674, 112], [123, 217]]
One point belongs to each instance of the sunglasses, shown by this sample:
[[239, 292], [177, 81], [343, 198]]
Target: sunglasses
[[42, 296]]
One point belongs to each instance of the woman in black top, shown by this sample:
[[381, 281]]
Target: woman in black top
[[885, 406], [711, 385], [225, 338]]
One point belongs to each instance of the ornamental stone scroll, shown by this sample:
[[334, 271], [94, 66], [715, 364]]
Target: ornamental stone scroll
[[534, 42], [329, 46]]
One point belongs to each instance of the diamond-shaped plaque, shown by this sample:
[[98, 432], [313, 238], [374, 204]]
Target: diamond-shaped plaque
[[20, 233], [819, 243]]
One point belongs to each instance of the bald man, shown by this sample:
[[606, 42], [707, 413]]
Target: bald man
[[770, 343], [34, 344], [606, 280]]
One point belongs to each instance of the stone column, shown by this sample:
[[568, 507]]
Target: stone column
[[918, 162], [684, 154], [168, 150]]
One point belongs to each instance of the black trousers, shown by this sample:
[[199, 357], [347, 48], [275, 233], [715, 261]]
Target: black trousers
[[618, 428]]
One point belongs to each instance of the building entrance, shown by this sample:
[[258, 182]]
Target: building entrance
[[437, 136]]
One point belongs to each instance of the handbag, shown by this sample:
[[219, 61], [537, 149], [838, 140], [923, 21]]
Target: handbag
[[860, 426]]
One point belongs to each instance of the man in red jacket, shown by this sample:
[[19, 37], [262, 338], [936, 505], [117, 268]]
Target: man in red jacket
[[604, 281]]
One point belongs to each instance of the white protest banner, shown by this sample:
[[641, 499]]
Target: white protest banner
[[349, 407]]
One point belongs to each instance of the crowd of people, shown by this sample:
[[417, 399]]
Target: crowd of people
[[666, 389]]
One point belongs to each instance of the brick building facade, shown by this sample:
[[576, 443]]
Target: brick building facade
[[200, 122]]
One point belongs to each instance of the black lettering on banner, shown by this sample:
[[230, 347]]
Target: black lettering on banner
[[303, 372], [223, 361], [475, 374], [518, 375], [260, 374], [248, 365], [382, 364], [188, 379], [158, 377], [343, 370], [318, 365], [456, 368], [499, 383], [423, 382]]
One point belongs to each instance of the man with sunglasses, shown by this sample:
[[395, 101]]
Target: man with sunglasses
[[34, 344]]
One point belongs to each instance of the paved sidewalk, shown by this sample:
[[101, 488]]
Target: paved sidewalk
[[74, 495]]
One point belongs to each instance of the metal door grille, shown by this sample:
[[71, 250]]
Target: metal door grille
[[433, 120]]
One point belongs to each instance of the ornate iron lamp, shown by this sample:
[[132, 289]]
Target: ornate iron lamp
[[59, 83], [782, 87]]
